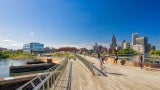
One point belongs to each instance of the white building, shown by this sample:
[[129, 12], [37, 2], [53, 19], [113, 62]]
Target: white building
[[139, 48], [126, 45]]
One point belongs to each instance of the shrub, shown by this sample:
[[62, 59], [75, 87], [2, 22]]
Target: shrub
[[122, 62]]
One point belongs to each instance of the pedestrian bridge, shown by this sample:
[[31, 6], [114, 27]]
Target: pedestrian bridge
[[81, 74]]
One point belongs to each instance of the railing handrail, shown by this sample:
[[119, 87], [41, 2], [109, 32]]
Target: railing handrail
[[69, 78], [42, 83], [88, 64], [48, 73]]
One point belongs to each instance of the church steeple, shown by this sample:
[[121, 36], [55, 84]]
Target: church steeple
[[114, 43]]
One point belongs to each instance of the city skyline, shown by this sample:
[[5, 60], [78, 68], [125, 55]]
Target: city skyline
[[77, 23]]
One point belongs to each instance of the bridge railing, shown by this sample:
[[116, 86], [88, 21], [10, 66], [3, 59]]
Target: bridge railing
[[69, 78], [87, 63], [47, 80]]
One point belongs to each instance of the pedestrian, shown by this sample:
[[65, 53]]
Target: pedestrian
[[100, 60], [115, 59], [103, 63], [141, 61]]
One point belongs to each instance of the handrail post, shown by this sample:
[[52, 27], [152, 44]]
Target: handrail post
[[88, 64], [46, 79]]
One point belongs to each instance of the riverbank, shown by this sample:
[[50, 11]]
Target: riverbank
[[16, 55]]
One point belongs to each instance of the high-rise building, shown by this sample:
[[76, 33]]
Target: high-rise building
[[153, 48], [140, 44], [126, 45], [114, 43], [35, 48], [139, 48], [122, 43], [134, 36], [144, 42], [149, 47]]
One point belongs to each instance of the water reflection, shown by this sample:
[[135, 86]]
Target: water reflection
[[5, 64]]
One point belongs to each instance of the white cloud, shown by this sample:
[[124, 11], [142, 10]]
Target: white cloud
[[13, 46], [8, 35], [31, 33], [9, 40]]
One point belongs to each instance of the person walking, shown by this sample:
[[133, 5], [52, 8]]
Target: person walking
[[100, 60], [141, 61], [115, 59], [104, 62]]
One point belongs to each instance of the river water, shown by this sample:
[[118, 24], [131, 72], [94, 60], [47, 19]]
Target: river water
[[5, 64]]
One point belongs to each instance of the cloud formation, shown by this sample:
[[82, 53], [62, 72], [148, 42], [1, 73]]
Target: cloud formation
[[6, 40], [31, 33], [8, 35]]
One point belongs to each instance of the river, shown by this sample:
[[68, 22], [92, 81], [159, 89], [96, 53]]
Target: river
[[5, 64]]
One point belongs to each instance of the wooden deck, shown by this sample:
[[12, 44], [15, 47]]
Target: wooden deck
[[117, 77]]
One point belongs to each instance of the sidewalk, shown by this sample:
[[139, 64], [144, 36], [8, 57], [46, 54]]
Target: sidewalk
[[117, 78], [126, 78]]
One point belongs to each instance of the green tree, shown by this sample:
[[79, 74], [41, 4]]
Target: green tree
[[155, 54], [105, 53], [127, 52]]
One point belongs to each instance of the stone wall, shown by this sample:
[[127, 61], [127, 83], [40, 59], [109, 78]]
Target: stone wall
[[28, 68]]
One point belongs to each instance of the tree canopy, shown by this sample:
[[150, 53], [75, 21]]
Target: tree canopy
[[127, 52], [15, 55]]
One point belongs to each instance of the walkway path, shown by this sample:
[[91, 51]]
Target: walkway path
[[117, 77], [120, 78]]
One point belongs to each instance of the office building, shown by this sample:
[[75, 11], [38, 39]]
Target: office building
[[139, 48], [33, 48], [144, 42], [153, 48], [149, 47], [134, 36], [126, 45]]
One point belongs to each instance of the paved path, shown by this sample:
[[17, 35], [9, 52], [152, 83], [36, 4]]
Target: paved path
[[63, 82], [117, 77], [126, 78]]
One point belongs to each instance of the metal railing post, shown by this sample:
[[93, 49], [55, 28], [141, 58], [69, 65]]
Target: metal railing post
[[46, 79], [88, 64]]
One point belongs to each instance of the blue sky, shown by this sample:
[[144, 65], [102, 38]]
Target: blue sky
[[78, 23]]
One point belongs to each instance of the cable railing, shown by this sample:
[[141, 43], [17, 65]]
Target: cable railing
[[87, 63], [69, 78], [47, 80]]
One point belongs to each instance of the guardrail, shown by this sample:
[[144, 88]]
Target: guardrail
[[88, 64], [47, 80], [69, 78]]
